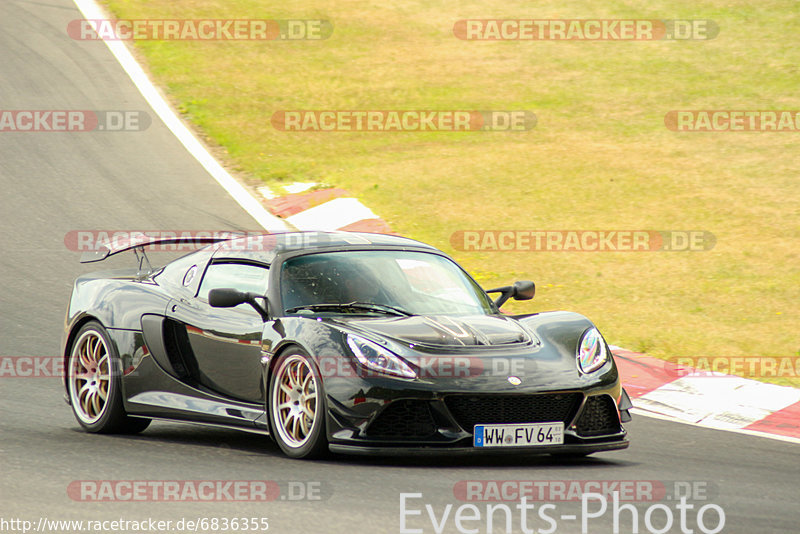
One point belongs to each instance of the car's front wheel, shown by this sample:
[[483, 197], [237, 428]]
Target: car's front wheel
[[94, 384], [296, 406]]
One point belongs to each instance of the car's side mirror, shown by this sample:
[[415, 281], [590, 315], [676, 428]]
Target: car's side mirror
[[228, 297], [521, 290], [524, 290]]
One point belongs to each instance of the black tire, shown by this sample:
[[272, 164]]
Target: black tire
[[297, 433], [94, 384]]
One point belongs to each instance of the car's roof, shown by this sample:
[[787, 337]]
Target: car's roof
[[264, 247]]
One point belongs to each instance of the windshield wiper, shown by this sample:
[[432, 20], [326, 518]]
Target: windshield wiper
[[368, 306]]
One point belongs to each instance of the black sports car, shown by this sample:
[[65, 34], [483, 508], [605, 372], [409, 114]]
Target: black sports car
[[349, 342]]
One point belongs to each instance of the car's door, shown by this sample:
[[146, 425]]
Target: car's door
[[226, 342]]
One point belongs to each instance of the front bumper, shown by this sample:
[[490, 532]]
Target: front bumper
[[404, 450], [592, 422]]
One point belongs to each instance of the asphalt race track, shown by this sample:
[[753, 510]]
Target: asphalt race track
[[54, 183]]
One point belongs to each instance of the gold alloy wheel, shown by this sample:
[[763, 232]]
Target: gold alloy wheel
[[294, 401], [89, 377]]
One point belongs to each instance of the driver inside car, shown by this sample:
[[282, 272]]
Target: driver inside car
[[360, 289], [313, 281]]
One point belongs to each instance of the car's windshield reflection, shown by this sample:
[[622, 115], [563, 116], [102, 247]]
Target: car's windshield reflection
[[414, 283]]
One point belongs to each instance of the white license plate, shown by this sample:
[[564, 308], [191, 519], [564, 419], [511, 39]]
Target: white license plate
[[518, 435]]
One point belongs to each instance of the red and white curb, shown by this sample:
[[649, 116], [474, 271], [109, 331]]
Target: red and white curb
[[323, 209], [713, 400]]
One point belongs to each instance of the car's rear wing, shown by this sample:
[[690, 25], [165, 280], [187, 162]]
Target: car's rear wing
[[138, 242]]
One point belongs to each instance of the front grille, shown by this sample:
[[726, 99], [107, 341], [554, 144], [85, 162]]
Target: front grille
[[599, 417], [404, 419], [471, 410]]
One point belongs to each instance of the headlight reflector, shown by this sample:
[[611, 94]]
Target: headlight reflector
[[373, 356], [591, 354]]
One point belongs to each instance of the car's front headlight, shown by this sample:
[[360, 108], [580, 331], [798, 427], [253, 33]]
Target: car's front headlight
[[592, 353], [373, 356]]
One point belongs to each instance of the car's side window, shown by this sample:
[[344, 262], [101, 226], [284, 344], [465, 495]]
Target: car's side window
[[242, 276]]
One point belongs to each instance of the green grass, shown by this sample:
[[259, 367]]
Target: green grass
[[599, 158]]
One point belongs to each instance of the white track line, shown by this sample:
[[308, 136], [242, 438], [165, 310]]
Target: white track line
[[778, 437], [91, 10]]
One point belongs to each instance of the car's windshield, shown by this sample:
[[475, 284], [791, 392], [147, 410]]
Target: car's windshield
[[412, 282]]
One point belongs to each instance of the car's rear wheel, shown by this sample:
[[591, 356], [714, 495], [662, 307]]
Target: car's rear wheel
[[297, 406], [94, 384]]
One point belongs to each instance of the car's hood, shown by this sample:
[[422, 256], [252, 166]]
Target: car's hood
[[447, 330]]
